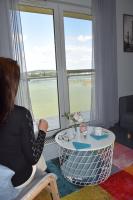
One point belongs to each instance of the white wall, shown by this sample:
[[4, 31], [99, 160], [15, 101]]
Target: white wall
[[124, 59]]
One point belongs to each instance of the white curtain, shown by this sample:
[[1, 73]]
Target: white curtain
[[105, 106], [5, 36], [11, 45]]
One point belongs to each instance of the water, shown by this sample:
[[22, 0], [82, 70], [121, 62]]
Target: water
[[44, 96]]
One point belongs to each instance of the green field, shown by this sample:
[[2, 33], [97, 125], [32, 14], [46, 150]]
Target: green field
[[44, 95]]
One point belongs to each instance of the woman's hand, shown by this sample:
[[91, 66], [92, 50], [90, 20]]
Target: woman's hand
[[43, 125]]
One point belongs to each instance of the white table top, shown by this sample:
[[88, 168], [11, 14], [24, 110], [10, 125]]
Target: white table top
[[95, 144]]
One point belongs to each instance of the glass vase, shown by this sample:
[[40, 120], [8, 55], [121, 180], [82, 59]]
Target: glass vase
[[83, 129], [75, 130]]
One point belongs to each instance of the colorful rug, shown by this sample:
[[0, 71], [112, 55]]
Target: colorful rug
[[119, 186]]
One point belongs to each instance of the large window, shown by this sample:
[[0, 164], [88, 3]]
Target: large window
[[58, 52]]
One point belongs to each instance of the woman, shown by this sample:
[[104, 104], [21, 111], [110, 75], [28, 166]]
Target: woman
[[19, 150]]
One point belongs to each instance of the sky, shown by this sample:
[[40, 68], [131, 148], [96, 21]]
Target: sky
[[38, 37]]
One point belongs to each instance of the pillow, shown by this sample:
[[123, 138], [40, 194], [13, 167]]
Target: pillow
[[7, 191]]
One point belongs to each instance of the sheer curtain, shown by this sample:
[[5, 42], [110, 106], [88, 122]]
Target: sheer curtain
[[105, 105], [11, 45], [23, 97]]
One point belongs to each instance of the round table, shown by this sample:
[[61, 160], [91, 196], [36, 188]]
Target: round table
[[83, 165]]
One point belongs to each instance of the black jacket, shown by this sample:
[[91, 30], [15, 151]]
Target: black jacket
[[19, 149]]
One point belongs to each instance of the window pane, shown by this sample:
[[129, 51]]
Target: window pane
[[78, 47], [38, 36]]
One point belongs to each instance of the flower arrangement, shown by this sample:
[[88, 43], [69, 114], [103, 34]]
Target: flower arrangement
[[75, 118]]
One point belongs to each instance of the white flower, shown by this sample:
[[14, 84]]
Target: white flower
[[77, 116]]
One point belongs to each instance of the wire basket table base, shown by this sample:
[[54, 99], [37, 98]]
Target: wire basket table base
[[86, 167]]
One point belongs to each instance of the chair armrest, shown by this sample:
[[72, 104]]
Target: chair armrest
[[37, 185]]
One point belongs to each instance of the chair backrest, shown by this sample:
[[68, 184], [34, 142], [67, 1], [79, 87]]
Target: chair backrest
[[126, 103], [7, 191]]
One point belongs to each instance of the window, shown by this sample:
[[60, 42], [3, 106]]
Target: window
[[58, 52], [78, 48], [39, 49]]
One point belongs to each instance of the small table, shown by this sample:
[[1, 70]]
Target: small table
[[86, 166]]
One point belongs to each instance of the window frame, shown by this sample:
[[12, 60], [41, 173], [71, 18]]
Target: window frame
[[60, 55]]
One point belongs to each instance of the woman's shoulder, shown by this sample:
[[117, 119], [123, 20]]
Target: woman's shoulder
[[21, 109]]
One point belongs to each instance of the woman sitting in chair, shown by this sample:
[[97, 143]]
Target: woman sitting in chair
[[19, 150]]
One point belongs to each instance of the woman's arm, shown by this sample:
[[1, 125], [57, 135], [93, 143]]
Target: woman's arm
[[31, 147]]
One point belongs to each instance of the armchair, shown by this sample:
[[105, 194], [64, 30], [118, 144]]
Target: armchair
[[126, 112], [45, 181], [41, 181]]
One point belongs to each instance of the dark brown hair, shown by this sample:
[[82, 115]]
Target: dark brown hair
[[9, 80]]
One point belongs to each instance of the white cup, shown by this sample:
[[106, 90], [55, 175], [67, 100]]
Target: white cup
[[98, 131]]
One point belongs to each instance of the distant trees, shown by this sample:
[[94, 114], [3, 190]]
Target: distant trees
[[41, 74]]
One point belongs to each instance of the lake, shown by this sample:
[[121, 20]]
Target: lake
[[44, 96]]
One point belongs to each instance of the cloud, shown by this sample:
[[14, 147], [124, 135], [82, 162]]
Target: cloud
[[84, 38], [78, 57], [39, 57], [79, 38], [43, 57]]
